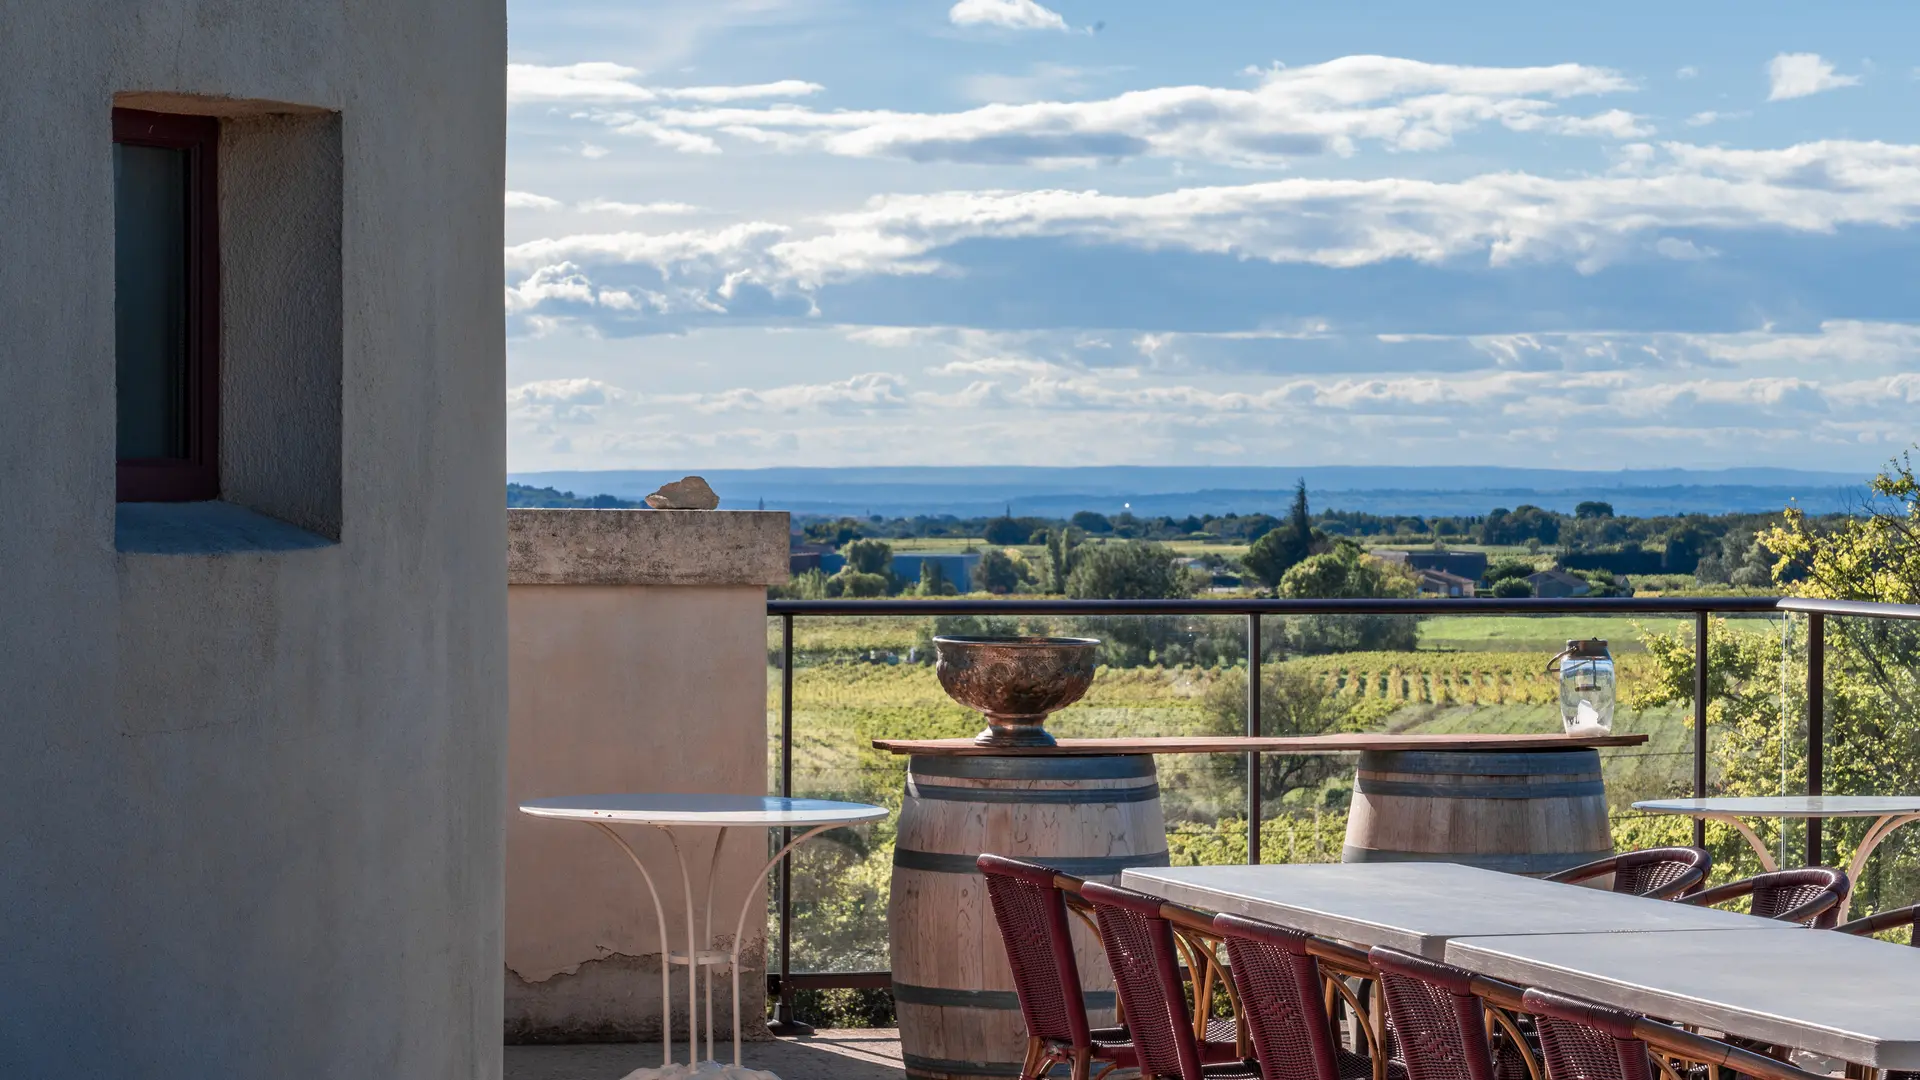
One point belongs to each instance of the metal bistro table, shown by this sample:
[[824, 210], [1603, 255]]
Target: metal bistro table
[[1421, 907], [665, 812], [1892, 811]]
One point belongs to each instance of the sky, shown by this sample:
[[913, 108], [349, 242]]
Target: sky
[[747, 233]]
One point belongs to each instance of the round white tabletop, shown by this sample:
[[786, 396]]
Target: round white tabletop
[[1820, 806], [702, 810], [1892, 811]]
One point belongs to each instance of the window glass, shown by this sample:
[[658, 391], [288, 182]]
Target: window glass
[[151, 253]]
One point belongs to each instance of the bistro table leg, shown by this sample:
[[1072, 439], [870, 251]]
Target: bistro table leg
[[1753, 839], [1880, 830], [706, 933], [740, 927], [693, 954], [666, 949]]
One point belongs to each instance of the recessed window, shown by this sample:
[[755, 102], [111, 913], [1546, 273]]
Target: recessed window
[[166, 278]]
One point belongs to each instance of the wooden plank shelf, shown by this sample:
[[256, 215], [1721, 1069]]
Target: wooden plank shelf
[[1344, 743]]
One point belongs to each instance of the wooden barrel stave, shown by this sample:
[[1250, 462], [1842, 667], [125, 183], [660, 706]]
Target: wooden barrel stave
[[1524, 812], [1089, 816]]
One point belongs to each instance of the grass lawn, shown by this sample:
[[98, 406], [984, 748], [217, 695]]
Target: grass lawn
[[1536, 633]]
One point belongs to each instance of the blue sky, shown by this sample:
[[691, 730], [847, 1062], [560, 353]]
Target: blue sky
[[826, 232]]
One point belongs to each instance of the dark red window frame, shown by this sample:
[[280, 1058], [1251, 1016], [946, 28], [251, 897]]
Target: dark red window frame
[[195, 477]]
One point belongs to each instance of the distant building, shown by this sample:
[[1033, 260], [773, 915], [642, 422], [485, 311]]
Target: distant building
[[957, 569], [1441, 583], [802, 558], [1558, 584], [1471, 565]]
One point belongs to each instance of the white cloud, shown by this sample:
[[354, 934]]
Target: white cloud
[[1703, 118], [873, 390], [602, 83], [1007, 14], [1798, 75], [527, 200], [1687, 72], [592, 152], [1328, 108], [608, 206]]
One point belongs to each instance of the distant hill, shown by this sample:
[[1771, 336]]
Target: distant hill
[[1179, 490]]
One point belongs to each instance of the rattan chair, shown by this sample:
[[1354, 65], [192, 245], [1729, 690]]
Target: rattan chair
[[1583, 1040], [1439, 1026], [1283, 1004], [1662, 873], [1032, 914], [1879, 922], [1809, 896], [1139, 943]]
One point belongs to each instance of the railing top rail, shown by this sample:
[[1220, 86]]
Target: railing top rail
[[1578, 605], [1861, 608]]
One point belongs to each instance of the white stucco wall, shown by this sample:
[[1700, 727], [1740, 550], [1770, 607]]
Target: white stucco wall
[[250, 817], [638, 663]]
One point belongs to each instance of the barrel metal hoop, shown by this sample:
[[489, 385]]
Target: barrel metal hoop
[[1545, 862], [909, 994], [1577, 762], [1050, 796], [1366, 785], [1102, 767], [926, 1066], [943, 862]]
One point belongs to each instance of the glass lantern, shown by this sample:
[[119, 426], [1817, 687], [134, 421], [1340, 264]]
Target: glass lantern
[[1586, 687]]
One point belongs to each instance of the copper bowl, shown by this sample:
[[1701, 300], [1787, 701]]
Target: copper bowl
[[1015, 682]]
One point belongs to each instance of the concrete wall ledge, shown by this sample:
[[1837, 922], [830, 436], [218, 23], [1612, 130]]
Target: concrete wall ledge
[[646, 547]]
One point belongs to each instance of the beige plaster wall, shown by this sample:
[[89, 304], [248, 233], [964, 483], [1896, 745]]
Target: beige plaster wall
[[254, 768], [628, 688]]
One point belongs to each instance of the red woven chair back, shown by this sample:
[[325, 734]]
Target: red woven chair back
[[1658, 872], [1787, 892], [1810, 895], [1438, 1025], [1279, 986], [1139, 943], [1033, 925], [1582, 1040]]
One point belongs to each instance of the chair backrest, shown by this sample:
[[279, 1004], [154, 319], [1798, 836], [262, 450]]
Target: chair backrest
[[1032, 915], [1907, 917], [1280, 999], [1438, 1024], [1139, 943], [1810, 895], [1662, 873], [1584, 1040]]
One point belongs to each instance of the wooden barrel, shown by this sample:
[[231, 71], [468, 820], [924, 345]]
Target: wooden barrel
[[1523, 813], [1091, 817]]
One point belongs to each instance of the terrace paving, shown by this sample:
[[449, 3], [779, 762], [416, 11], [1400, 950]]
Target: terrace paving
[[857, 1054]]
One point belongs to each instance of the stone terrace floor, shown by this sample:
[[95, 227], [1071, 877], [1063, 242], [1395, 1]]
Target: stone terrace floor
[[859, 1054]]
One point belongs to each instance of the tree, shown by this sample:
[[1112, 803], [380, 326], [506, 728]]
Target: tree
[[869, 556], [1285, 547], [1509, 568], [1126, 571], [1089, 522], [854, 585], [933, 580], [1005, 531], [1512, 588], [1292, 702], [1063, 550], [997, 572], [1347, 573], [1587, 510]]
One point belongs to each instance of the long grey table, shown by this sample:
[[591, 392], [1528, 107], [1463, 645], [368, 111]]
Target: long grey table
[[1419, 907], [1852, 998]]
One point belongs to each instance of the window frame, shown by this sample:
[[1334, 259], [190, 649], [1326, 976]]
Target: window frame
[[196, 477]]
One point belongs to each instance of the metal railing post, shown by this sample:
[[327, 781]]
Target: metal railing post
[[784, 1022], [1701, 623], [1253, 730], [1816, 726]]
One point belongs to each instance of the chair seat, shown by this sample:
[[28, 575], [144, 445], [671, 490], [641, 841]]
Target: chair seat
[[1115, 1044], [1234, 1070]]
